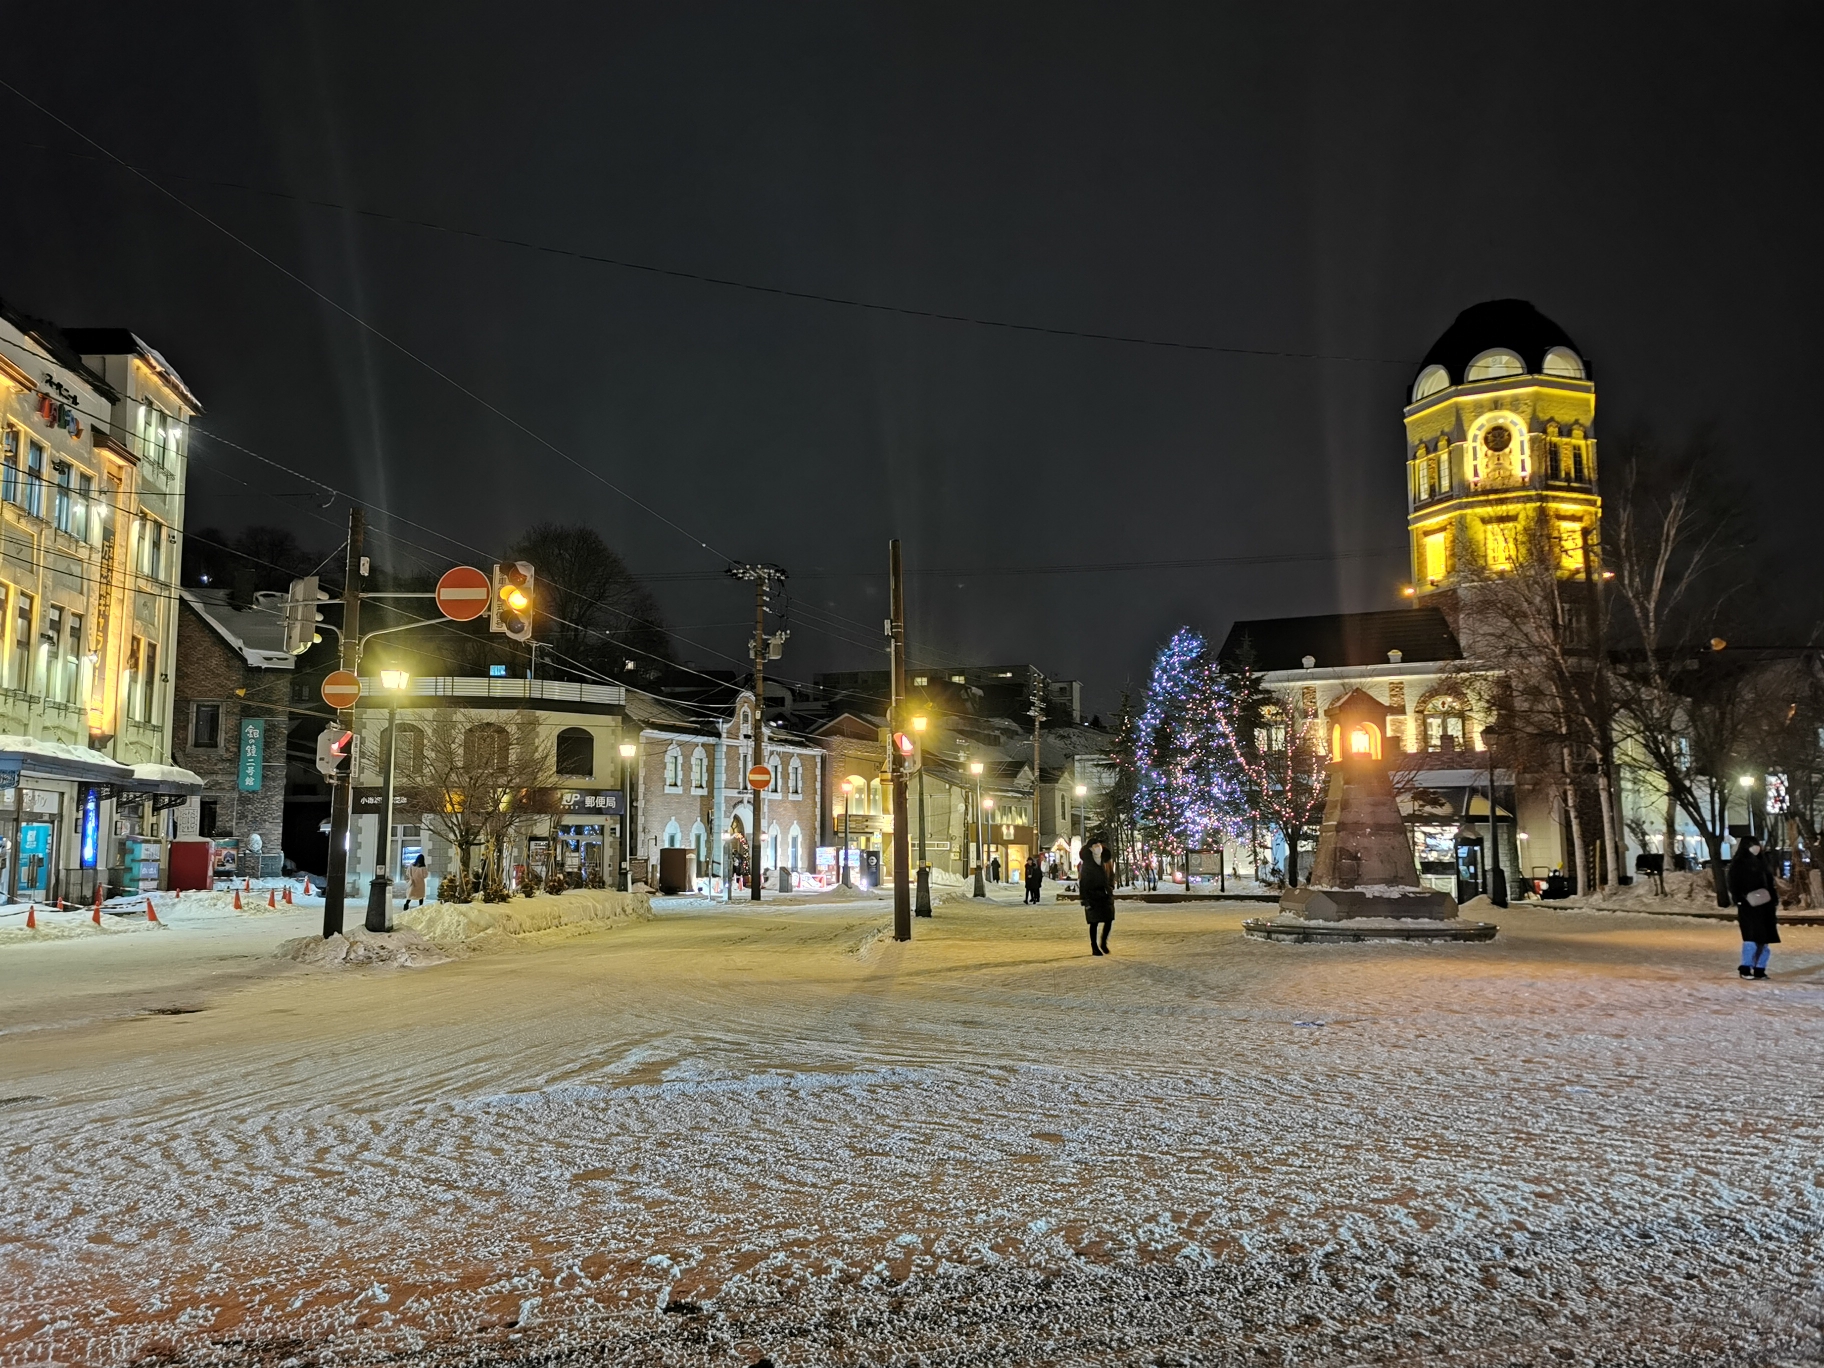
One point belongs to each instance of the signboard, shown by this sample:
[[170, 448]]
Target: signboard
[[606, 802], [91, 827], [253, 754], [759, 777], [370, 799], [341, 689], [462, 593]]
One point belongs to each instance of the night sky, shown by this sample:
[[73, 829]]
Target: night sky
[[1329, 184]]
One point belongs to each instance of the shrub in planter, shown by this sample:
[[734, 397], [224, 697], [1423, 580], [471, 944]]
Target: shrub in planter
[[555, 882], [529, 887]]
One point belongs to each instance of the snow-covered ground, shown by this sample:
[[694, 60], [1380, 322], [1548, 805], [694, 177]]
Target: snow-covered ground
[[724, 1133]]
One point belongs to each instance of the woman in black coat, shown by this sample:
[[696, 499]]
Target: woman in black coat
[[1098, 895], [1757, 900]]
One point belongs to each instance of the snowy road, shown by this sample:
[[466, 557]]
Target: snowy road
[[727, 1134]]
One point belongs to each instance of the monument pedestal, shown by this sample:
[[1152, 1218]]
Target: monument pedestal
[[1364, 882]]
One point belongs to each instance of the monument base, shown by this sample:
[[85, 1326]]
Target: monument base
[[1344, 904], [1299, 931]]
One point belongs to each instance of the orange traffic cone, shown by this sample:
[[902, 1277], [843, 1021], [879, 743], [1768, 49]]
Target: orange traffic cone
[[272, 899], [307, 885], [31, 917], [97, 917], [246, 885], [237, 900], [60, 904], [288, 902], [151, 913]]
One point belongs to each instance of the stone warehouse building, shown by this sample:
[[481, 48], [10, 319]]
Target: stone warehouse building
[[231, 724], [692, 788]]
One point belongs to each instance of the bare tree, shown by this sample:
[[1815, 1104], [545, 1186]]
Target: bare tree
[[477, 780], [589, 607], [1277, 748]]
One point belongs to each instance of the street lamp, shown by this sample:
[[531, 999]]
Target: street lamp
[[1497, 878], [1082, 793], [379, 892], [921, 906], [629, 749], [975, 768], [848, 791], [1747, 783], [987, 816]]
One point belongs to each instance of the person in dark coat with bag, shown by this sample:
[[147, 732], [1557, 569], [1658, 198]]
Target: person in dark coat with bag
[[1098, 895], [1757, 903]]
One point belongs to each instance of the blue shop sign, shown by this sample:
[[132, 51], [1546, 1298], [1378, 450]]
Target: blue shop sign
[[91, 827]]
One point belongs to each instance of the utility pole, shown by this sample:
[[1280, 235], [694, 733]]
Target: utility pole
[[896, 722], [1038, 715], [763, 576], [342, 796]]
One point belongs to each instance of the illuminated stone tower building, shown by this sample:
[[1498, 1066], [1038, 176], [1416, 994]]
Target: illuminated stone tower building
[[1501, 457]]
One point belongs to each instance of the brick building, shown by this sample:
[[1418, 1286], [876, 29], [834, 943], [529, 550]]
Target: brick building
[[230, 723]]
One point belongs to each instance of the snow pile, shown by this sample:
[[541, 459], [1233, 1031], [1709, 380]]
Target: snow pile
[[358, 948], [453, 924], [70, 924]]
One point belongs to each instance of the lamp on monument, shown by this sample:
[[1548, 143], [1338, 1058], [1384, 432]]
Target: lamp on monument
[[1358, 724]]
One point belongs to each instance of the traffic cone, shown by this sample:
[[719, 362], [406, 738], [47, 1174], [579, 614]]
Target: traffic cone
[[237, 900], [151, 913], [307, 885], [60, 904], [246, 885], [272, 899], [31, 917], [288, 902]]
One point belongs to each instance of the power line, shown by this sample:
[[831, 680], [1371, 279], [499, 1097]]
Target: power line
[[361, 322], [730, 282]]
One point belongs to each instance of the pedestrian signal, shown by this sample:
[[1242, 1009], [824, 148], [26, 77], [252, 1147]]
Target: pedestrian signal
[[301, 615], [335, 751], [511, 610], [910, 752]]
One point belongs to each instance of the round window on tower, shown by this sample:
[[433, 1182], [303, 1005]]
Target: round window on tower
[[1499, 438]]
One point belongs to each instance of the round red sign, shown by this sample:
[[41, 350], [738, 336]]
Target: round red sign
[[759, 777], [341, 689], [462, 593]]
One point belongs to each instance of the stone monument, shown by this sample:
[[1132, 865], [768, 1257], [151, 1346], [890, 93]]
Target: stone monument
[[1364, 883]]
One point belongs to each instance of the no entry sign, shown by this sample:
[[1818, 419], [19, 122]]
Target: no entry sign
[[759, 777], [462, 593], [341, 688]]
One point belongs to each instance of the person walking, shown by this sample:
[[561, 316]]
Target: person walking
[[1757, 901], [1034, 878], [994, 869], [415, 879], [1098, 896]]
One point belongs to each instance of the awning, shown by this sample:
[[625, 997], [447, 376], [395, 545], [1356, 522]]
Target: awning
[[164, 780], [30, 757]]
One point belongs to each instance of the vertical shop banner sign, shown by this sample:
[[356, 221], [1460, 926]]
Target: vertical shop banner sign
[[91, 827], [253, 753]]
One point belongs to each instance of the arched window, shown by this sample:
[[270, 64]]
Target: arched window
[[797, 785], [674, 770], [772, 846], [408, 752], [1494, 364], [674, 836], [699, 842], [747, 724], [795, 848], [576, 753], [1563, 361], [1446, 723], [486, 748], [1498, 452], [1430, 381], [874, 797], [699, 771], [772, 764]]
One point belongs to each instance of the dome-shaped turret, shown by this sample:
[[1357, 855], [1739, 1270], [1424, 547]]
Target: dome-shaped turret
[[1497, 338]]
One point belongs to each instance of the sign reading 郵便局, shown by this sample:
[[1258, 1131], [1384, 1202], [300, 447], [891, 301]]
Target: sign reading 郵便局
[[253, 754]]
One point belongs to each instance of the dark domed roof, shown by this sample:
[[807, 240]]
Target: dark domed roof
[[1511, 323]]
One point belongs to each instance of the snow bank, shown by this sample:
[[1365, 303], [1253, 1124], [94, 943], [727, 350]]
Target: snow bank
[[71, 924], [463, 924], [359, 948]]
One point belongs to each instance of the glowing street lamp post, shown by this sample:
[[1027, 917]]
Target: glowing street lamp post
[[975, 768], [1747, 783], [628, 750], [848, 791], [986, 813], [922, 903], [1082, 793], [379, 892], [1497, 877]]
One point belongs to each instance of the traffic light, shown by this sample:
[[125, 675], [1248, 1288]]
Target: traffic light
[[512, 602], [335, 752], [910, 752], [301, 615]]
